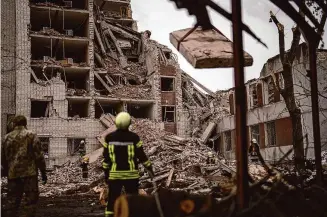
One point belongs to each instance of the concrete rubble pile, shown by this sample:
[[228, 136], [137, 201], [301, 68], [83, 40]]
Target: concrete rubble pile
[[179, 164]]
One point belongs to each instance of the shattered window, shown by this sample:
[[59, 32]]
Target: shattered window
[[45, 141], [255, 133], [168, 114], [271, 90], [254, 96], [73, 146], [271, 133], [78, 109], [228, 140], [40, 108], [167, 84]]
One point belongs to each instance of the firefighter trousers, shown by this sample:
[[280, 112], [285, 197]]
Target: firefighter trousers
[[115, 187], [16, 189]]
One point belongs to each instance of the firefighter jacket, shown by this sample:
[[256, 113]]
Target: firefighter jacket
[[122, 153], [21, 154]]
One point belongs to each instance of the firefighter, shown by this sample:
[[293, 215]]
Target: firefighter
[[122, 151], [211, 159], [81, 149], [21, 157], [85, 169], [253, 151]]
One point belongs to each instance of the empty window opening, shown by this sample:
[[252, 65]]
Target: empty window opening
[[45, 142], [255, 133], [254, 96], [44, 74], [78, 108], [66, 52], [124, 12], [73, 146], [72, 4], [228, 140], [140, 110], [231, 104], [168, 113], [77, 81], [214, 142], [101, 85], [63, 23], [105, 108], [40, 108], [271, 133], [167, 84]]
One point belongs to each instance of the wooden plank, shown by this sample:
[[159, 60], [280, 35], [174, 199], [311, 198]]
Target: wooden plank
[[206, 49], [171, 173]]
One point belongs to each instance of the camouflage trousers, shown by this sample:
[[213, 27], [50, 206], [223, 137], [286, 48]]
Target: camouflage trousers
[[16, 189]]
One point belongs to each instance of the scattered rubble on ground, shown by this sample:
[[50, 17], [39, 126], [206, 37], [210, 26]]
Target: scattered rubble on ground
[[179, 164]]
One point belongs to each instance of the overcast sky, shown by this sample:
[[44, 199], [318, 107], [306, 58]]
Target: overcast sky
[[161, 17]]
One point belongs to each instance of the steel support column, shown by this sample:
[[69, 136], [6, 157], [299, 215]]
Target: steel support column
[[241, 113]]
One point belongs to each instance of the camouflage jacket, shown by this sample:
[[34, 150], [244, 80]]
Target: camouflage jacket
[[21, 154]]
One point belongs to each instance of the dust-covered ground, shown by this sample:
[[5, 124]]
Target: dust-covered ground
[[70, 206], [75, 205]]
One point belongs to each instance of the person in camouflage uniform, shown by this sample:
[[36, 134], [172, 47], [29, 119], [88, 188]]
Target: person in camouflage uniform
[[21, 157]]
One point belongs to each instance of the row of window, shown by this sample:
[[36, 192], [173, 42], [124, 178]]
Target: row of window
[[261, 93], [266, 135], [72, 145]]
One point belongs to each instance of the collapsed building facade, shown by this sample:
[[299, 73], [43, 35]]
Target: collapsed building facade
[[268, 120], [65, 64]]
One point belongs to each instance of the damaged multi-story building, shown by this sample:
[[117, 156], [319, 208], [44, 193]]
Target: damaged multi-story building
[[268, 119], [66, 64]]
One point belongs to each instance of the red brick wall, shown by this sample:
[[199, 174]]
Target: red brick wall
[[170, 127], [167, 70], [168, 98], [284, 132]]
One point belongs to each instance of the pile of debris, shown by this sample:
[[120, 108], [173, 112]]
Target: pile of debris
[[131, 91], [179, 164]]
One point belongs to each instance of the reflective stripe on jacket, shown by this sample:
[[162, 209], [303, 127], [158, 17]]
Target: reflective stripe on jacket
[[122, 152]]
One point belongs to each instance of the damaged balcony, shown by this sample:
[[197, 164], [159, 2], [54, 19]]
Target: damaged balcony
[[59, 4], [75, 78], [59, 51], [120, 86], [58, 22], [78, 107]]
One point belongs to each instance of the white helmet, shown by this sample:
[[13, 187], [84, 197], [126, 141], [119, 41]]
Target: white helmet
[[254, 141], [82, 141], [210, 154]]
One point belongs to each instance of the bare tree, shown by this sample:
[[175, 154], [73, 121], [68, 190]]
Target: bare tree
[[287, 60]]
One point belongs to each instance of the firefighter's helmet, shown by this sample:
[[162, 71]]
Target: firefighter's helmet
[[210, 154], [123, 120], [254, 141]]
